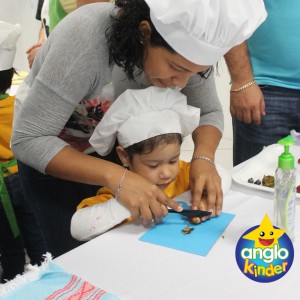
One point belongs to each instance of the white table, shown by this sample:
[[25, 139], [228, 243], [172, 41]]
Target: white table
[[133, 270]]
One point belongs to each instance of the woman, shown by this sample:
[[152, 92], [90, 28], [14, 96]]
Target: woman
[[67, 92]]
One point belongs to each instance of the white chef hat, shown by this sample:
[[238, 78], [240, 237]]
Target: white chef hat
[[138, 115], [202, 31], [9, 35]]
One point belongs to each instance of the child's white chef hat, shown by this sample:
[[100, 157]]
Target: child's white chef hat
[[9, 35], [138, 115], [202, 31]]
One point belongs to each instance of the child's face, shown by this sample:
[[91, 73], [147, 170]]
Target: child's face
[[161, 166]]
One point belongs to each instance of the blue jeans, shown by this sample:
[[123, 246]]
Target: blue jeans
[[282, 115], [54, 202], [12, 249]]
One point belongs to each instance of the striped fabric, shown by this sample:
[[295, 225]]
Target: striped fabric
[[77, 289], [50, 282]]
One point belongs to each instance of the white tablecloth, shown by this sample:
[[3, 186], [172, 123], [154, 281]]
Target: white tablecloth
[[133, 270]]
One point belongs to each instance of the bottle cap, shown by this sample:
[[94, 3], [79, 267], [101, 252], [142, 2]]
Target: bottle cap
[[286, 160]]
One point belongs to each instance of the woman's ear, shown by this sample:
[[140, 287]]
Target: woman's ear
[[123, 156], [145, 32]]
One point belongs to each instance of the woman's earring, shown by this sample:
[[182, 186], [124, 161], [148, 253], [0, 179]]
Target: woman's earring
[[126, 167]]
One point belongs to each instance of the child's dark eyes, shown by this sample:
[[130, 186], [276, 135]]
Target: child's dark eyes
[[153, 167], [156, 165]]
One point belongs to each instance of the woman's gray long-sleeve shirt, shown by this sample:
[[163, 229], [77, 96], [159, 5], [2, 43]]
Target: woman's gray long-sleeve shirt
[[68, 89]]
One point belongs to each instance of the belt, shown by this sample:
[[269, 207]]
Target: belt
[[4, 197]]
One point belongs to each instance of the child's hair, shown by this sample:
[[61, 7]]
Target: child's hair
[[147, 146], [6, 77]]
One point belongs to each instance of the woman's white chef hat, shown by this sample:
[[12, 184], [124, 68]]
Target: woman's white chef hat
[[138, 115], [202, 31], [9, 35]]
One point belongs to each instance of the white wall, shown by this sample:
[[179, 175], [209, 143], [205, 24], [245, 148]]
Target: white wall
[[22, 12]]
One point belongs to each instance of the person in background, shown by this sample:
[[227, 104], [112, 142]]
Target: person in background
[[60, 8], [54, 10], [147, 145], [84, 2], [63, 99], [265, 92], [42, 15], [19, 229]]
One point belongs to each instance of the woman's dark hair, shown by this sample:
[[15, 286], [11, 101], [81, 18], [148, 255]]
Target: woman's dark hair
[[125, 41], [147, 146], [6, 79]]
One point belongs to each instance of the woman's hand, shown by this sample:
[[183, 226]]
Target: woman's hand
[[146, 202], [205, 182], [206, 188]]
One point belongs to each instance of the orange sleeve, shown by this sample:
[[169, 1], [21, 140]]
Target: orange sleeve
[[103, 195]]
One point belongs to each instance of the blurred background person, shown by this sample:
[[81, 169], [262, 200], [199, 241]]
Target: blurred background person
[[265, 92], [50, 13], [19, 229]]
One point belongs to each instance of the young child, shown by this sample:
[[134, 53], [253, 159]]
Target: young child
[[149, 125], [18, 226]]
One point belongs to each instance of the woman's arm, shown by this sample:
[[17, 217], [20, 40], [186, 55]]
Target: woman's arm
[[59, 80], [204, 177], [202, 93]]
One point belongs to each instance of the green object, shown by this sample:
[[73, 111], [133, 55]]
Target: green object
[[286, 160], [5, 199], [56, 13], [3, 96]]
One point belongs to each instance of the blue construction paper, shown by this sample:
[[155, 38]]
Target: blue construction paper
[[199, 241]]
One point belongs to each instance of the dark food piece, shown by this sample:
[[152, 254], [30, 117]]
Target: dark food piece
[[250, 180], [258, 182], [268, 181]]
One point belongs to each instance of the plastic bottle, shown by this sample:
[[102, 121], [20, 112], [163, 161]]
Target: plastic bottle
[[285, 189]]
